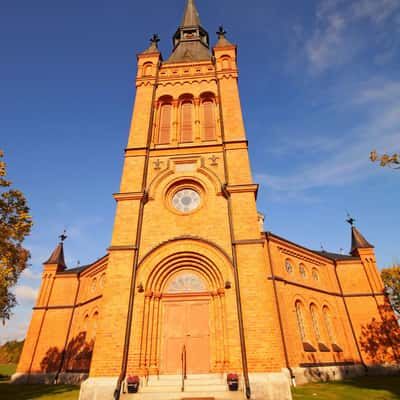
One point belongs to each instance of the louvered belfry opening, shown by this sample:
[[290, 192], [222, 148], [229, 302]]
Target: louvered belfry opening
[[186, 121], [208, 113], [164, 133]]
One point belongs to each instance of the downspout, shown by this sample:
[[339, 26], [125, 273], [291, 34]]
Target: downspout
[[143, 200], [349, 318], [278, 308], [68, 333], [233, 246]]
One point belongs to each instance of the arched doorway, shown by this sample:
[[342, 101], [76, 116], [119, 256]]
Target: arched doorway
[[183, 293], [186, 324]]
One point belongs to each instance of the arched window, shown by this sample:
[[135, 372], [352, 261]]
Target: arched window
[[187, 121], [302, 270], [300, 320], [315, 275], [314, 319], [94, 325], [85, 323], [164, 131], [147, 69], [328, 324], [225, 63], [288, 266], [93, 286], [208, 115], [102, 281]]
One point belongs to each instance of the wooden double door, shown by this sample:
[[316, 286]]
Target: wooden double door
[[186, 323]]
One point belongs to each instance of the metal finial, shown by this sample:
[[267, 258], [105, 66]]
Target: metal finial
[[155, 38], [221, 31], [63, 236], [350, 219], [322, 247]]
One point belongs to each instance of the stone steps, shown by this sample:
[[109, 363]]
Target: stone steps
[[197, 387]]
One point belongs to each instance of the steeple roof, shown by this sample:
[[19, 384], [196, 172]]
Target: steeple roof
[[191, 41], [153, 48], [358, 241], [222, 40], [191, 16], [57, 257]]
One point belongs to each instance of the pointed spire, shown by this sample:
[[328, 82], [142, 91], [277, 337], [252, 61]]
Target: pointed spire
[[57, 257], [191, 16], [191, 41], [358, 241], [153, 48], [222, 40]]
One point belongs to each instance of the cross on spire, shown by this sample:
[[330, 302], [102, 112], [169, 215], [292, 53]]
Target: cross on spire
[[63, 236]]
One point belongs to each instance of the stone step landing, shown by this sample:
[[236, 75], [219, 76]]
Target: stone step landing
[[197, 387]]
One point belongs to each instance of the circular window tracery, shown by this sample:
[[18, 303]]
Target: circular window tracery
[[186, 200]]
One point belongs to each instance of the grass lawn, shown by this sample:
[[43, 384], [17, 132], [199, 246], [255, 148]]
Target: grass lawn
[[7, 369], [31, 392], [42, 392], [370, 388]]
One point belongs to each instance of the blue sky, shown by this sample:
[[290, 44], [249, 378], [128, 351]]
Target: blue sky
[[320, 89]]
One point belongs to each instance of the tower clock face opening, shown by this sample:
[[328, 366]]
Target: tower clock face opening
[[186, 200]]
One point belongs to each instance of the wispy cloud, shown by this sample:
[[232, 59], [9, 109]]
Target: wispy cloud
[[336, 37], [29, 274], [347, 160], [25, 293], [13, 331]]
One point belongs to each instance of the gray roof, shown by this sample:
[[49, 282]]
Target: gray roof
[[191, 15], [191, 42], [57, 256], [358, 241], [335, 256]]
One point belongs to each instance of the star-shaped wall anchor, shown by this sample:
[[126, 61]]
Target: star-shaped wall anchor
[[157, 164], [214, 159]]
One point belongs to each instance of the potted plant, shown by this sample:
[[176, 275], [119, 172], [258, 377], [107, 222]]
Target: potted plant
[[233, 381], [133, 383]]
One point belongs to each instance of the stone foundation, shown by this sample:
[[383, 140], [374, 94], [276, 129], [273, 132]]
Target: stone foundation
[[66, 378], [270, 386], [304, 375], [98, 388], [264, 386]]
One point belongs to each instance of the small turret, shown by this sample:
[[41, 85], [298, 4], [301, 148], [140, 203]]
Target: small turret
[[358, 241], [56, 261]]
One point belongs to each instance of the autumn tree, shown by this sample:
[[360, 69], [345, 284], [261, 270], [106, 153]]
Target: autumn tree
[[386, 160], [391, 280], [15, 225]]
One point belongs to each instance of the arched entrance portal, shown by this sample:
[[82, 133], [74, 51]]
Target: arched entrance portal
[[183, 302], [186, 324]]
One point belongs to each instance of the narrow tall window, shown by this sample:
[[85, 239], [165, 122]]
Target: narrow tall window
[[164, 132], [314, 319], [208, 120], [328, 324], [95, 319], [300, 321], [187, 122]]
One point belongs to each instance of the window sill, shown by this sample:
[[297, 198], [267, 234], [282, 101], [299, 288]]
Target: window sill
[[308, 347], [336, 348], [323, 347]]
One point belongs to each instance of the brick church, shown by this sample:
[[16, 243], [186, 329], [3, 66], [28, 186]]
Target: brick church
[[191, 283]]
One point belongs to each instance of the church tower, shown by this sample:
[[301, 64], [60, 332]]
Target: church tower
[[191, 288], [187, 270]]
